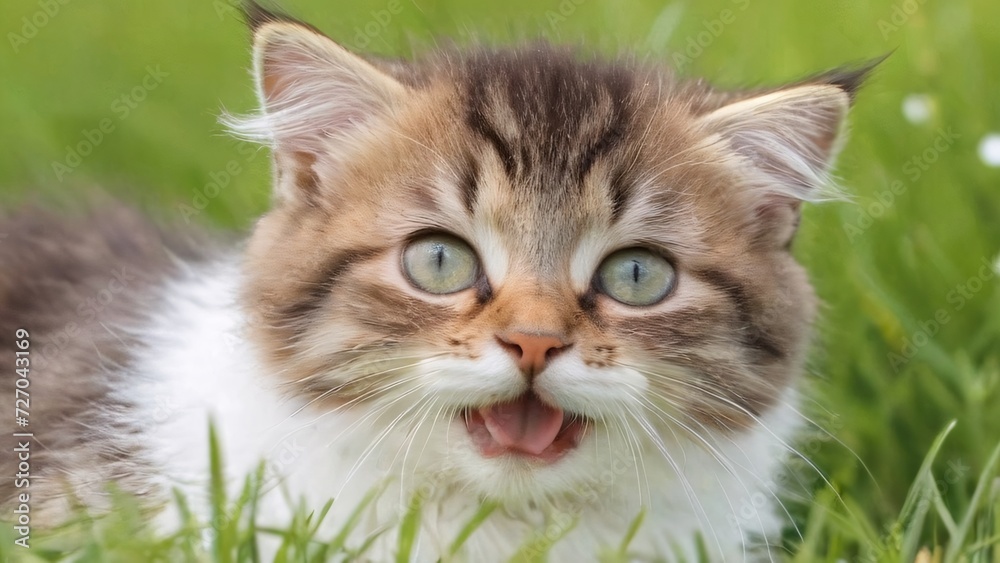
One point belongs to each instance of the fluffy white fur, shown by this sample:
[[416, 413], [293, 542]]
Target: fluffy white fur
[[199, 367]]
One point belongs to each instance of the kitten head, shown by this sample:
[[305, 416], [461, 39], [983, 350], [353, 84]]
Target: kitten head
[[527, 263]]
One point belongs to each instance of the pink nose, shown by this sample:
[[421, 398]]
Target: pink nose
[[532, 351]]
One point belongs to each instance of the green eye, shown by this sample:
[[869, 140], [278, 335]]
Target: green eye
[[636, 277], [440, 264]]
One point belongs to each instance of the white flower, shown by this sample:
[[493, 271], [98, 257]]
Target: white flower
[[989, 149], [917, 108]]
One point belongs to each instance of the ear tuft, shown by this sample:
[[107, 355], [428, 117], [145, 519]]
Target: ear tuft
[[850, 79], [257, 16]]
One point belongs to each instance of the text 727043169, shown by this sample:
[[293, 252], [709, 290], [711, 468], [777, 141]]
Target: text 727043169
[[22, 448]]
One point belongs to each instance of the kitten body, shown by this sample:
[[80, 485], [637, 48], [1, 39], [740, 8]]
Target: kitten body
[[561, 286], [164, 371], [203, 371]]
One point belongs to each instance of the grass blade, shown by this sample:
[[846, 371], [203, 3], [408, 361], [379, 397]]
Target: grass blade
[[919, 499], [477, 520], [986, 480], [217, 494], [408, 530]]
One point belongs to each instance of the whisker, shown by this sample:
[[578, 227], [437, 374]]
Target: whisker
[[370, 449], [362, 397], [689, 492], [724, 461], [781, 441], [355, 379], [422, 415]]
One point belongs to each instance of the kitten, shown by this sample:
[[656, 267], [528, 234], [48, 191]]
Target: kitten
[[560, 285]]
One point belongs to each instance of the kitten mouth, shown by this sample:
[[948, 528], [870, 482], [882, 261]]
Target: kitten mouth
[[526, 427]]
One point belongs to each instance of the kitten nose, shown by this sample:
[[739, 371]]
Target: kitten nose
[[532, 351]]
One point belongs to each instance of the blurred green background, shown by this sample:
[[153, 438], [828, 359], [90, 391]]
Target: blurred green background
[[910, 335]]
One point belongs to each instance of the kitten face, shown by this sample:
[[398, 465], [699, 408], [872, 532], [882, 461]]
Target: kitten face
[[445, 253]]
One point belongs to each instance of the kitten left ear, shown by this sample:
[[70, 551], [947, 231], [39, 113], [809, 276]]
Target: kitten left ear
[[315, 96]]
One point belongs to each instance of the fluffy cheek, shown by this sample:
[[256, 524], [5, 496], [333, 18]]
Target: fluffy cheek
[[461, 382], [599, 393]]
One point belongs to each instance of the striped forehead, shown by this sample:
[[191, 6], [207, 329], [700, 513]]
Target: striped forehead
[[546, 117], [542, 124], [533, 231]]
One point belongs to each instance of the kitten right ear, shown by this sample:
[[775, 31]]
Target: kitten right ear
[[791, 134], [786, 140], [315, 97]]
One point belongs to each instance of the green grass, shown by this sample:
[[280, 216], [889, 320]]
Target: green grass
[[899, 271]]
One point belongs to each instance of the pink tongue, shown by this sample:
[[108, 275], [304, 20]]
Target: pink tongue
[[526, 424]]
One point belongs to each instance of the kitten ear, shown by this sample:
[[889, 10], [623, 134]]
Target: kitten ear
[[789, 135], [315, 96], [787, 140]]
